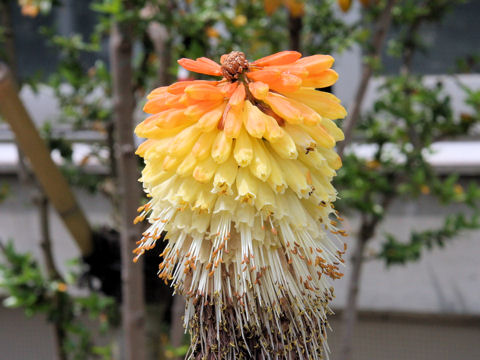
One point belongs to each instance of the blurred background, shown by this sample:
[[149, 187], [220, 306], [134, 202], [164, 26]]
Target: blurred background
[[408, 189]]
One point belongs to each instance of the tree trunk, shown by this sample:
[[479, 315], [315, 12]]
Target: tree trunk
[[159, 36], [350, 312], [295, 31], [133, 309], [176, 329]]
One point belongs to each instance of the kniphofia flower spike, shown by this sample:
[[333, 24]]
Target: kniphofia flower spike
[[239, 173]]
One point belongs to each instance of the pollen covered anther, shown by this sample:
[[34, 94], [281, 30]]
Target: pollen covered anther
[[234, 64]]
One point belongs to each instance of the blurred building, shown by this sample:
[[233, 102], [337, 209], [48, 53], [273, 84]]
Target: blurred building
[[428, 309]]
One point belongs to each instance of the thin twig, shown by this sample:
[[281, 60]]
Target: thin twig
[[45, 241], [52, 272]]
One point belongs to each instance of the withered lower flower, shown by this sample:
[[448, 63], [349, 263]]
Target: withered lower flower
[[239, 174]]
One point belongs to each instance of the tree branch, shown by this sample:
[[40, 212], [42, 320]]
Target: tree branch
[[350, 312], [52, 272], [46, 171], [382, 27], [45, 240], [366, 232]]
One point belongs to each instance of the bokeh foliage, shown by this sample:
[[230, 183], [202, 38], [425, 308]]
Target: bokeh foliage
[[30, 289], [406, 119]]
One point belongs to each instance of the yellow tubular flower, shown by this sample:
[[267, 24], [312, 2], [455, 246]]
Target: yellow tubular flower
[[243, 152], [239, 173]]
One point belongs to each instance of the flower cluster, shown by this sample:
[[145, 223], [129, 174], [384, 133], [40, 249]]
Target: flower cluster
[[239, 174]]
